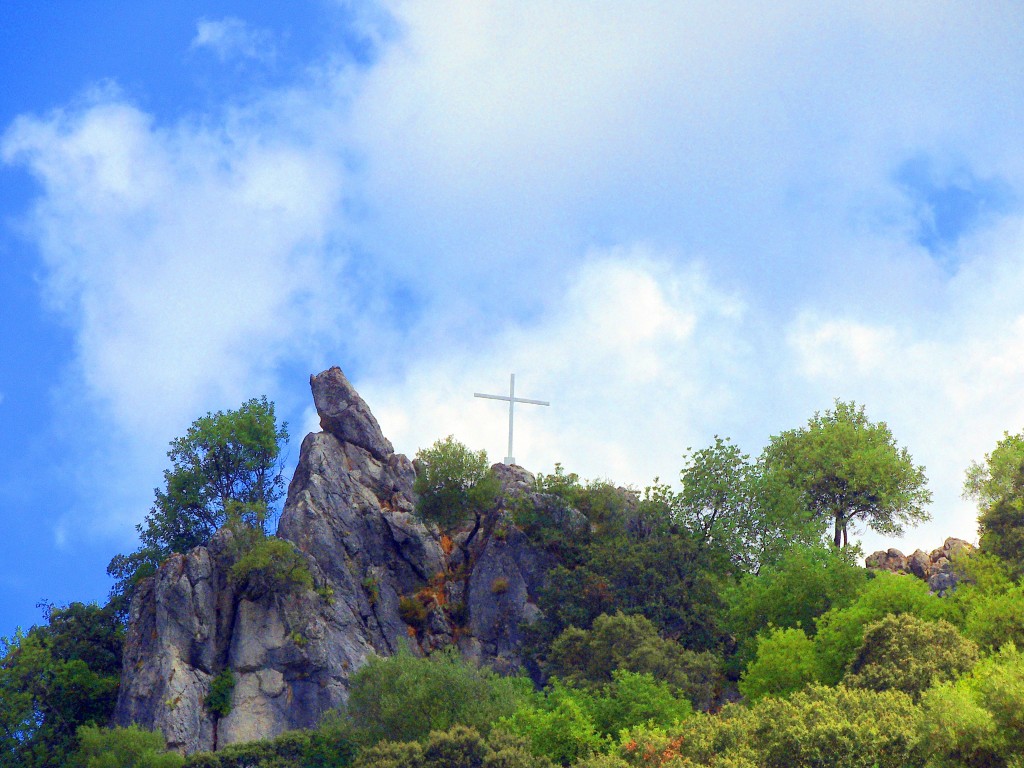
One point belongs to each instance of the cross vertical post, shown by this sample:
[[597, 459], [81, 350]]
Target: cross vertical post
[[512, 400]]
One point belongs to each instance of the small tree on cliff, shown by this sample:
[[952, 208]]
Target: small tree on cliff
[[454, 485], [228, 461], [850, 470]]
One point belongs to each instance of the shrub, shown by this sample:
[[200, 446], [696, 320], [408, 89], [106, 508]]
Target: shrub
[[785, 663], [841, 631], [412, 611], [130, 747], [908, 654], [590, 657], [453, 483], [272, 563], [218, 698], [978, 721], [499, 586], [405, 698]]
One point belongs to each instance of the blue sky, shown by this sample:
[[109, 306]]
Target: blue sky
[[670, 220]]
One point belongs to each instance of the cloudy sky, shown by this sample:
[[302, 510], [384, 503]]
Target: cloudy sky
[[672, 220]]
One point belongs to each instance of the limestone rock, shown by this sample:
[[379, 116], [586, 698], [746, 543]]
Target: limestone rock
[[892, 560], [344, 414], [292, 650], [935, 568]]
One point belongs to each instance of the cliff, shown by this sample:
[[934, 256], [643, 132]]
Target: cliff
[[380, 578]]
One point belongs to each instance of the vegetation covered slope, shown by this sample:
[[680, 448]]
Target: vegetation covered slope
[[722, 624]]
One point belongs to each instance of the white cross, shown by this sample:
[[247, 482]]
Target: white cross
[[512, 400]]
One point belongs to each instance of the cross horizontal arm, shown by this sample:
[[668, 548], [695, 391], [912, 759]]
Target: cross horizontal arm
[[531, 402], [491, 397]]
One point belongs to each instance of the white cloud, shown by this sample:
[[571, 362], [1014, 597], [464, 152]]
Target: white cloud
[[669, 220], [190, 262], [231, 38], [630, 356]]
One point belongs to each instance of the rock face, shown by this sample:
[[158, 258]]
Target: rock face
[[381, 579], [935, 567]]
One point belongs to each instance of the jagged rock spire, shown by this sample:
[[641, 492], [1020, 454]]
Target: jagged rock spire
[[344, 414]]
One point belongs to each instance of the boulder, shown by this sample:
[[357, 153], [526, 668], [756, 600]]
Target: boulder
[[935, 567]]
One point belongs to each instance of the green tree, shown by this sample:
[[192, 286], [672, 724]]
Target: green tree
[[226, 460], [404, 698], [1001, 526], [55, 678], [997, 485], [456, 747], [785, 662], [733, 505], [589, 658], [805, 583], [453, 485], [909, 654], [978, 721], [840, 631], [849, 470], [130, 747], [994, 477]]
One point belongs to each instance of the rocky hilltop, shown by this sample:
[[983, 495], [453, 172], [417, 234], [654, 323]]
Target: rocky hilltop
[[935, 567], [380, 579]]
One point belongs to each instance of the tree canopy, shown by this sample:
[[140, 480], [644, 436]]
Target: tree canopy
[[228, 461], [731, 504], [850, 470]]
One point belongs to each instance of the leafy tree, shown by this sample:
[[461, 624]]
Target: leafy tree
[[994, 478], [1001, 525], [589, 658], [978, 721], [559, 723], [805, 583], [816, 728], [55, 678], [785, 662], [997, 485], [457, 747], [228, 459], [996, 618], [840, 631], [327, 746], [850, 470], [908, 654], [130, 747], [733, 505], [404, 698], [454, 485]]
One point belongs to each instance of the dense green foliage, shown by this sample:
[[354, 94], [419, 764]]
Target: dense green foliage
[[805, 583], [327, 746], [130, 747], [905, 653], [457, 747], [734, 506], [222, 688], [453, 483], [228, 460], [659, 607], [590, 658], [849, 470], [267, 563], [405, 697], [630, 556], [55, 678]]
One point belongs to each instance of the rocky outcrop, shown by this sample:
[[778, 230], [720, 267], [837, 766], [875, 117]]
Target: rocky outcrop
[[935, 567], [381, 579]]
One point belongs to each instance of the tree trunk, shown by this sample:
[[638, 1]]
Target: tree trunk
[[837, 538]]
